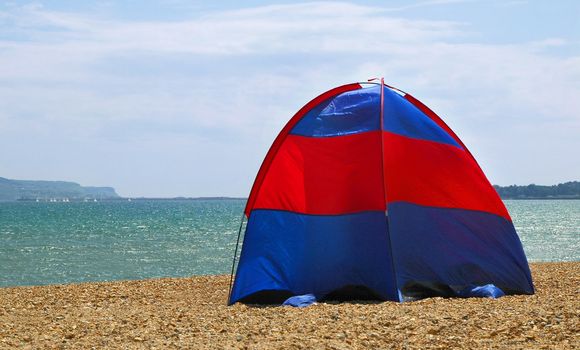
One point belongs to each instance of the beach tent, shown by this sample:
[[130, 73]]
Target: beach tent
[[366, 192]]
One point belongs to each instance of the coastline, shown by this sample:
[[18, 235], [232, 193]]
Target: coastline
[[191, 312]]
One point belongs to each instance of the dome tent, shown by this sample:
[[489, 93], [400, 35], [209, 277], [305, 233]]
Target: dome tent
[[366, 192]]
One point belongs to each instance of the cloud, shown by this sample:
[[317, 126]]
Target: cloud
[[513, 3], [322, 27], [240, 74]]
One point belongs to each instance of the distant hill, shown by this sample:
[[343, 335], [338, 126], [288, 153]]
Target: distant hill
[[12, 190], [567, 190]]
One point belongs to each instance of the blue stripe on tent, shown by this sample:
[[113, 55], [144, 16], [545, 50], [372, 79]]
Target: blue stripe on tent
[[358, 111], [456, 247], [351, 112], [401, 117], [302, 254]]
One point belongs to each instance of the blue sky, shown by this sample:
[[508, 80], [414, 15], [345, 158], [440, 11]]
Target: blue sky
[[183, 98]]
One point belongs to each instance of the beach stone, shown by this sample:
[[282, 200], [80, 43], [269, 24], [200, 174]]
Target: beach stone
[[178, 313]]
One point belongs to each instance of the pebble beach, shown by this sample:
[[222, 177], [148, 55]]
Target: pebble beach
[[177, 313]]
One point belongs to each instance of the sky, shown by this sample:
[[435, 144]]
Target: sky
[[183, 98]]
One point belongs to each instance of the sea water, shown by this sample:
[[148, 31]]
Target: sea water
[[48, 243]]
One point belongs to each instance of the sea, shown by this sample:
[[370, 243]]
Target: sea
[[68, 242]]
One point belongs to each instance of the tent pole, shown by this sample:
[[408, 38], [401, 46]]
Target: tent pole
[[382, 121], [235, 255]]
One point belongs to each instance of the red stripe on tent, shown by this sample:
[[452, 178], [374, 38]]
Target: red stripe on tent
[[325, 176], [282, 136], [438, 175]]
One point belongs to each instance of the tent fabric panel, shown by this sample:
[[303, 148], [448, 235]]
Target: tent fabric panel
[[331, 175], [435, 174], [282, 136], [456, 247], [403, 118], [348, 113], [314, 254], [434, 117]]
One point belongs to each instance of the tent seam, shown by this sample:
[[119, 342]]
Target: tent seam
[[382, 127]]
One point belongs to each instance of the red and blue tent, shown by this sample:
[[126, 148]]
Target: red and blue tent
[[366, 190]]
